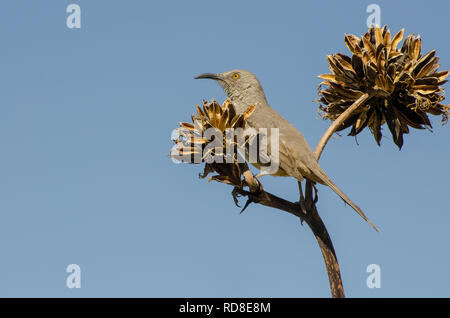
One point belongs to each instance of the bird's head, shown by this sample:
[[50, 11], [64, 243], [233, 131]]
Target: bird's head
[[239, 85]]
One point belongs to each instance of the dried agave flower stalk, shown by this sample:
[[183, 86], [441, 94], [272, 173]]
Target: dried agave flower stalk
[[403, 85], [194, 142]]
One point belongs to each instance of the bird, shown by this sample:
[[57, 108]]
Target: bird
[[296, 158]]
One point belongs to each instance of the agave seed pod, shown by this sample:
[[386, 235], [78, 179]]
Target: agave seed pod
[[193, 140], [404, 86]]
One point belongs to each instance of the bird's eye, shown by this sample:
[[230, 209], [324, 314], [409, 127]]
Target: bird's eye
[[235, 75]]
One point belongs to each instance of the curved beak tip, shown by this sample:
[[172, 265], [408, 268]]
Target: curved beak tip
[[212, 76]]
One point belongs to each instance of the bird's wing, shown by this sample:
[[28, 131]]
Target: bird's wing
[[302, 157], [287, 160]]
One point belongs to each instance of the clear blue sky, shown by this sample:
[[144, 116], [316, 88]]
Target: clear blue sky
[[85, 123]]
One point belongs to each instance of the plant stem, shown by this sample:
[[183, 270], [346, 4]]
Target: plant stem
[[315, 222], [337, 123]]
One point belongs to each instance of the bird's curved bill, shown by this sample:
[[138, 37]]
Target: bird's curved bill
[[213, 76]]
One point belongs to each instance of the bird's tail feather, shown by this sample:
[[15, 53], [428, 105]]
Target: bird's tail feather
[[344, 197]]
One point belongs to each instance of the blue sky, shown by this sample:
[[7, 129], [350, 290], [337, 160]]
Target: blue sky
[[85, 122]]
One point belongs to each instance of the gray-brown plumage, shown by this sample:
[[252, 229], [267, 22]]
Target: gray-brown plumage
[[296, 158]]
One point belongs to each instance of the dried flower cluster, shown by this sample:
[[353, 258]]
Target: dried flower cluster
[[194, 141], [404, 86]]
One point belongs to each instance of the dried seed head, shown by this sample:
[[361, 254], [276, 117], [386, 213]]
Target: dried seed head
[[404, 86], [196, 139]]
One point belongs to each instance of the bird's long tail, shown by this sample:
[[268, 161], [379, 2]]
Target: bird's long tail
[[344, 197]]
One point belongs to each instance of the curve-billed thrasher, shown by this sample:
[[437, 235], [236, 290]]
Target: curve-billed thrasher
[[296, 157]]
